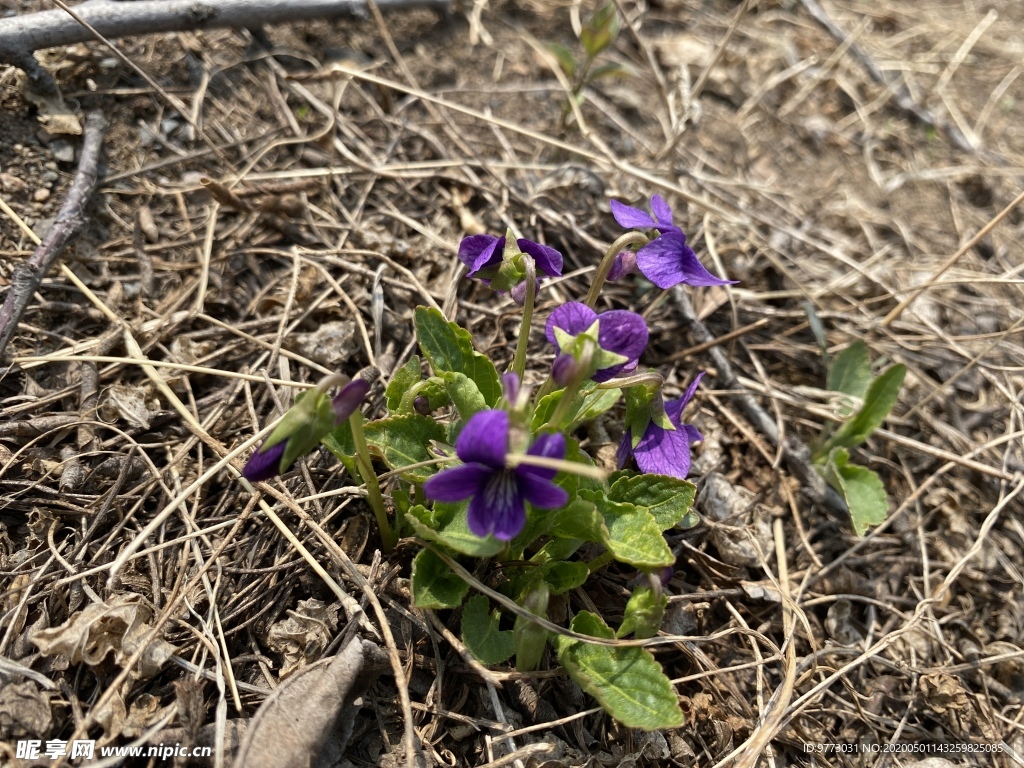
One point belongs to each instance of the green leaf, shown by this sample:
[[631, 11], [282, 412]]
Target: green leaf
[[562, 576], [644, 613], [401, 381], [613, 69], [862, 489], [579, 520], [668, 499], [433, 583], [600, 30], [634, 536], [464, 393], [878, 401], [405, 440], [448, 525], [850, 372], [433, 389], [340, 443], [449, 348], [628, 682], [481, 635], [531, 638], [565, 58]]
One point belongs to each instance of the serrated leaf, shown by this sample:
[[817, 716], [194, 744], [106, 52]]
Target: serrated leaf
[[403, 441], [434, 585], [562, 576], [634, 536], [481, 635], [465, 394], [580, 520], [644, 613], [850, 372], [433, 389], [449, 348], [589, 403], [878, 401], [860, 487], [401, 381], [628, 682], [668, 499], [447, 525]]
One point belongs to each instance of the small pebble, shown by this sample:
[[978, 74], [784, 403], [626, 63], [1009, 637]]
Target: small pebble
[[50, 176], [41, 195]]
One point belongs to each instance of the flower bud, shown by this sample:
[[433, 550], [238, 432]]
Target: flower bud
[[303, 426], [564, 369], [421, 404], [623, 264]]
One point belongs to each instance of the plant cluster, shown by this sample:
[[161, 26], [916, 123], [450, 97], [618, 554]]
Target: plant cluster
[[491, 471]]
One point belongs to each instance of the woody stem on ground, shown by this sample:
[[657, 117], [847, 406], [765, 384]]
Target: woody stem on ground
[[365, 466], [630, 238], [519, 361], [69, 223]]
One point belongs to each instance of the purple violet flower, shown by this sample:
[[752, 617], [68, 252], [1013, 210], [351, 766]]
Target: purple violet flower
[[662, 451], [667, 260], [302, 428], [620, 335], [497, 494], [480, 252]]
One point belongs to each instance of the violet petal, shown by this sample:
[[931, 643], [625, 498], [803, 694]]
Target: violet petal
[[548, 260], [674, 408], [264, 465], [662, 212], [572, 317], [510, 386], [457, 483], [668, 261], [548, 445], [663, 452], [623, 264], [484, 439], [625, 449], [498, 507], [480, 251], [622, 332], [629, 217], [348, 400], [543, 494]]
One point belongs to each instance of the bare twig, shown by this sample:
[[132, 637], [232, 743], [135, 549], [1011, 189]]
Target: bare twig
[[21, 35], [66, 227], [796, 454]]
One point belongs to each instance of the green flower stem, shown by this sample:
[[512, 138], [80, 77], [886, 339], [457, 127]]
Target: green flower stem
[[519, 362], [630, 238], [583, 372], [365, 466]]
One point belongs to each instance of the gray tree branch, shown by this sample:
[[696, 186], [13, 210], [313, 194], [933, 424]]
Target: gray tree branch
[[20, 36], [66, 227]]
